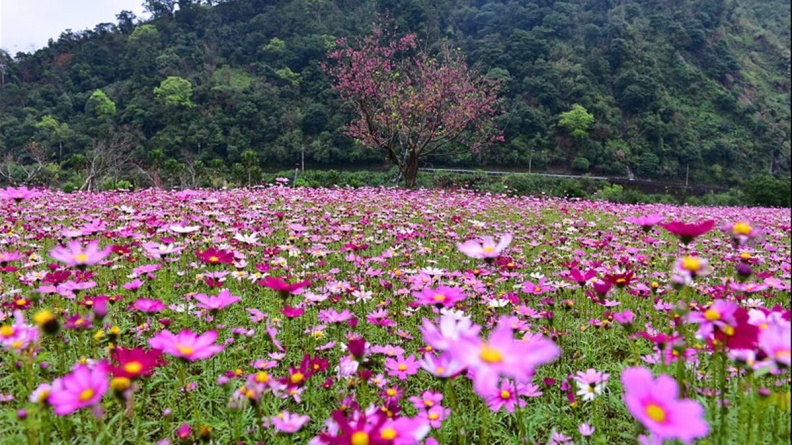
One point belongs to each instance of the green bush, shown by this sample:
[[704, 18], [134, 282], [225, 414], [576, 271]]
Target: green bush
[[581, 164], [767, 191]]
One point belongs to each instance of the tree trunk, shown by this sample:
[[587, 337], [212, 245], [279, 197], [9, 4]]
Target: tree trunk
[[410, 171]]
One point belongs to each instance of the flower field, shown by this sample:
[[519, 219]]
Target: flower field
[[284, 315]]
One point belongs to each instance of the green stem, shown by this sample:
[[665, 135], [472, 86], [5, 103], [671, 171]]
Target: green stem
[[722, 396]]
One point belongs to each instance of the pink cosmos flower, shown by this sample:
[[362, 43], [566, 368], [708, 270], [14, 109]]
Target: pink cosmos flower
[[505, 396], [442, 366], [286, 422], [18, 194], [427, 400], [223, 299], [501, 355], [186, 344], [719, 315], [442, 295], [537, 289], [646, 222], [148, 305], [655, 403], [402, 367], [487, 249], [450, 330], [83, 387], [435, 415], [74, 255], [775, 342]]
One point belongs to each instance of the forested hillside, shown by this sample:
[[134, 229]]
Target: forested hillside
[[227, 89]]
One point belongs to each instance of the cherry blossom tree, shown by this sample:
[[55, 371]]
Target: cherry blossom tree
[[411, 104]]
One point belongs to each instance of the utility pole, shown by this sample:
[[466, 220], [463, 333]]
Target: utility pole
[[530, 161], [687, 175], [302, 158]]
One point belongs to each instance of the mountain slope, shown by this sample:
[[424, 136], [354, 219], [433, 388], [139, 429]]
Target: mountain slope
[[676, 87]]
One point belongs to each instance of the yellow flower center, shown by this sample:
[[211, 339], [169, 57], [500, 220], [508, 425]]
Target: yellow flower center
[[712, 315], [433, 416], [745, 256], [86, 394], [728, 330], [490, 355], [488, 249], [691, 264], [782, 355], [43, 396], [81, 257], [391, 392], [296, 378], [262, 377], [133, 367], [360, 438], [439, 297], [213, 259], [428, 402], [6, 331], [21, 302], [388, 433], [120, 384], [185, 350], [439, 370], [43, 317], [656, 413], [505, 395], [621, 280], [742, 228], [402, 367]]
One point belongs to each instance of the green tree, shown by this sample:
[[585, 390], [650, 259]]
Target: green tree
[[100, 105], [577, 121], [175, 92]]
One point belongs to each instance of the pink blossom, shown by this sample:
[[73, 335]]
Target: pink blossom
[[223, 299], [501, 355], [286, 422], [83, 387], [74, 255], [402, 367], [441, 295], [655, 403], [186, 344], [486, 249]]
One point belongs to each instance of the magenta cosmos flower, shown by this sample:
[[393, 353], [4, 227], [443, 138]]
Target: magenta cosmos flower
[[186, 344], [655, 404], [74, 255], [442, 295], [223, 299], [687, 232], [81, 388], [646, 222], [501, 355], [487, 249]]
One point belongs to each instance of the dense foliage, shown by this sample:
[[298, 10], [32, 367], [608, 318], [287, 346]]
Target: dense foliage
[[223, 90]]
